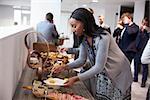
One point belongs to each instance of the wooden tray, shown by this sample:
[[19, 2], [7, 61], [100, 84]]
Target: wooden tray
[[42, 47]]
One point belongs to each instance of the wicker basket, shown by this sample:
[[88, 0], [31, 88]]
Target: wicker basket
[[34, 51]]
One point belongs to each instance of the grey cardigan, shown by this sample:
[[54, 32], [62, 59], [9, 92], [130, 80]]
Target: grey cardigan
[[110, 57]]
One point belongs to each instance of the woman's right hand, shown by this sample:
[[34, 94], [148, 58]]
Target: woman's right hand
[[63, 49], [59, 69]]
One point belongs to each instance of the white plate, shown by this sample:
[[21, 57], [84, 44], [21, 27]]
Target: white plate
[[57, 82]]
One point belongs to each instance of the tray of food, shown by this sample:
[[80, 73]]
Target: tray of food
[[64, 96]]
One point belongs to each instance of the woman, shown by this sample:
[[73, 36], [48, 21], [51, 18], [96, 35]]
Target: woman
[[145, 59], [110, 73]]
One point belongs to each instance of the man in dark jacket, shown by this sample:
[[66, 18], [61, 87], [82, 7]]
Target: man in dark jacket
[[128, 36]]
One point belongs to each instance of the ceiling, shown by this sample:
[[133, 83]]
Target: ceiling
[[74, 3]]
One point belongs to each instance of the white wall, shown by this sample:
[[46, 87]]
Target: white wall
[[15, 2], [65, 28], [64, 25], [39, 8], [6, 15], [110, 16], [13, 56], [108, 11], [139, 10]]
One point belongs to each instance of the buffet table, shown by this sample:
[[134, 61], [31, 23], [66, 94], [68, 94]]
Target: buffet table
[[29, 75]]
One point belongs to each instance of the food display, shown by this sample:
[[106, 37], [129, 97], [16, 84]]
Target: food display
[[41, 90], [44, 62], [48, 85], [59, 96], [54, 58], [44, 92], [64, 96], [49, 60], [50, 88], [55, 81]]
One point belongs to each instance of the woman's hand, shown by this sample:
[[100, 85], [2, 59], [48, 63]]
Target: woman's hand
[[62, 50], [71, 81], [59, 69]]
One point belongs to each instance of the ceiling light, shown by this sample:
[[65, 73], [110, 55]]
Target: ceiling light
[[94, 0], [17, 7], [84, 5]]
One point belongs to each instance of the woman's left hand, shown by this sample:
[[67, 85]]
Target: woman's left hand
[[71, 81]]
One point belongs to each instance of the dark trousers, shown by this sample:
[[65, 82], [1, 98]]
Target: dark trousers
[[144, 71], [130, 55]]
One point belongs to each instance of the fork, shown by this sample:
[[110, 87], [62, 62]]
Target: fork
[[51, 73]]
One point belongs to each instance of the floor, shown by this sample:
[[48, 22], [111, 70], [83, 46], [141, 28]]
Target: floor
[[139, 93]]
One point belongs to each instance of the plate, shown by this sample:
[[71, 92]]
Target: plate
[[55, 81]]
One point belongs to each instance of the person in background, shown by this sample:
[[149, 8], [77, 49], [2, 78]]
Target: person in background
[[47, 29], [117, 31], [75, 49], [128, 36], [102, 24], [110, 74], [145, 59], [141, 41]]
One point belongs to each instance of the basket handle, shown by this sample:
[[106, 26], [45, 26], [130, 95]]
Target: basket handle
[[34, 51]]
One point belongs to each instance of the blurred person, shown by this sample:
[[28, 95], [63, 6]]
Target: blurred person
[[117, 31], [47, 29], [75, 49], [102, 24], [110, 74], [141, 42], [145, 59], [128, 36]]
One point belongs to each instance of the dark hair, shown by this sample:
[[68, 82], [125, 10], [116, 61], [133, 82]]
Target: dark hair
[[91, 10], [147, 21], [87, 19], [49, 17]]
